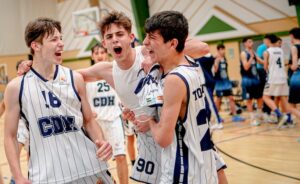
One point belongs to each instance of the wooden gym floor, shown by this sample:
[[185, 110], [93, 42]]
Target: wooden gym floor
[[254, 155]]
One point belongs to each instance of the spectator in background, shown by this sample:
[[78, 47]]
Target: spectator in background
[[223, 84], [250, 80], [294, 97]]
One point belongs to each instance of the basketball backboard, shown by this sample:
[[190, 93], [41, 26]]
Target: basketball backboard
[[85, 22]]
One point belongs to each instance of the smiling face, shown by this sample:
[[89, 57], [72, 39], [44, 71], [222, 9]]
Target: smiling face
[[51, 48], [117, 40]]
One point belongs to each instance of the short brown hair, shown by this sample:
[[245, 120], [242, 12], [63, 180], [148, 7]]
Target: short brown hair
[[117, 18], [37, 29]]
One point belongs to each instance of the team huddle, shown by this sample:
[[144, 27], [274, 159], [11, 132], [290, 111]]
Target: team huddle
[[72, 119]]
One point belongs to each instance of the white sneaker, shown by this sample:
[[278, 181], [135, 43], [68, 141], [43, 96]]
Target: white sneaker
[[217, 126], [255, 123], [281, 121]]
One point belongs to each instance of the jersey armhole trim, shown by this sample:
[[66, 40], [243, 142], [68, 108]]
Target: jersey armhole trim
[[73, 85], [187, 91], [21, 91], [20, 102]]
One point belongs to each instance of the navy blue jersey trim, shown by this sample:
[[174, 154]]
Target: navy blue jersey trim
[[21, 91], [37, 74], [41, 77], [154, 67], [140, 85], [73, 85], [138, 180], [187, 92], [223, 167], [56, 72], [191, 62], [180, 132], [206, 142], [20, 102]]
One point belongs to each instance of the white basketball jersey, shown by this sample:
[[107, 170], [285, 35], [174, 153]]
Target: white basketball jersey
[[147, 166], [276, 68], [60, 152], [103, 100], [190, 157]]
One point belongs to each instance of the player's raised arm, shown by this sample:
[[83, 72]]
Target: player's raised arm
[[99, 71], [195, 48], [91, 126], [12, 115], [161, 131]]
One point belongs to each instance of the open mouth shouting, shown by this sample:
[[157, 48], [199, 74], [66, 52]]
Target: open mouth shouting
[[58, 54], [117, 50]]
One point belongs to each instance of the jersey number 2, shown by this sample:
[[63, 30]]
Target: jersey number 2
[[103, 87]]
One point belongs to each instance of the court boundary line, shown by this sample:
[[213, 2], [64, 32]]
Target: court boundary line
[[247, 163], [255, 166]]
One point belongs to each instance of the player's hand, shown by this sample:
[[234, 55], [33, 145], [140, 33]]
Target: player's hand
[[218, 59], [104, 151], [127, 114], [147, 64], [252, 55], [24, 67], [142, 123], [22, 180]]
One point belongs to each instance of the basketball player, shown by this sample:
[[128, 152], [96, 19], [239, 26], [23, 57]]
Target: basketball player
[[122, 75], [276, 84], [223, 84], [52, 100], [183, 130], [295, 68], [250, 80], [206, 63], [116, 31], [105, 103]]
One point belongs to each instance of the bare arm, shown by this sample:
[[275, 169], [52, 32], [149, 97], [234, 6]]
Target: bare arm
[[216, 64], [294, 52], [266, 60], [99, 71], [90, 124], [12, 115], [258, 59], [163, 131], [246, 63], [195, 48]]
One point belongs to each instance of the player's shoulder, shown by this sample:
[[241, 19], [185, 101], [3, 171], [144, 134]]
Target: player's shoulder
[[15, 83], [77, 77], [243, 53], [14, 86]]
